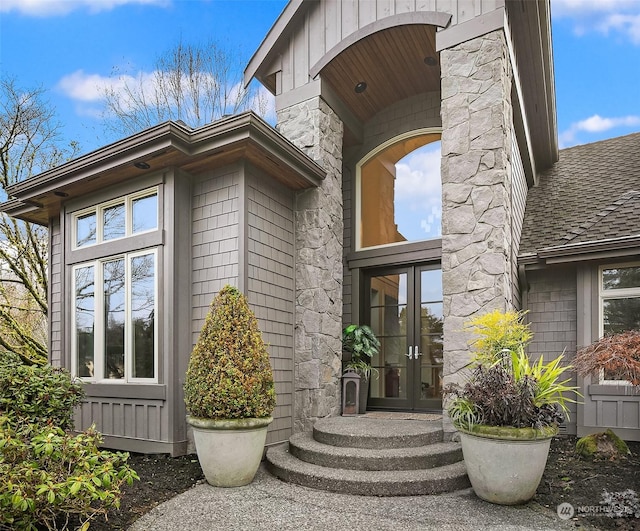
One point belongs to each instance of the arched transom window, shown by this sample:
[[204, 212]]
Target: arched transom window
[[400, 192]]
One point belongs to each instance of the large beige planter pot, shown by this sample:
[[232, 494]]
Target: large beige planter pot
[[229, 450], [505, 465]]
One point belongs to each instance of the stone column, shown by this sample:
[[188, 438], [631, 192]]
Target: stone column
[[476, 187], [316, 129]]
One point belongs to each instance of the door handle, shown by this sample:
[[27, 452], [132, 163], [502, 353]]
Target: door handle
[[410, 355], [417, 353]]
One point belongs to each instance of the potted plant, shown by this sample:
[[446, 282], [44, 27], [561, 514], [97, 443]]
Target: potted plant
[[508, 410], [229, 392], [361, 344]]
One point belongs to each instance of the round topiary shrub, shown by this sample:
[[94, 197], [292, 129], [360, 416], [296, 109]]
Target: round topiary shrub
[[229, 374]]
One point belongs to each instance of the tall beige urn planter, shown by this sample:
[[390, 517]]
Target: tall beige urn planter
[[230, 450]]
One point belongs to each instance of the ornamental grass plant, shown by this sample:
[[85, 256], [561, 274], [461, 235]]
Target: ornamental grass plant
[[505, 388], [229, 374]]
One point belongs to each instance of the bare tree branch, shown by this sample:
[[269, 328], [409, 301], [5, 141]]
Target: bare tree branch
[[193, 83], [29, 144]]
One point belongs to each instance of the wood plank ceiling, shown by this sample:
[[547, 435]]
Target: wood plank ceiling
[[395, 64]]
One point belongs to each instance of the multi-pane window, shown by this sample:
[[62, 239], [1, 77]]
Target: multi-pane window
[[115, 307], [619, 299], [126, 216], [114, 332]]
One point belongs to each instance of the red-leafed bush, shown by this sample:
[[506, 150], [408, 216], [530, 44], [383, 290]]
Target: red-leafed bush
[[618, 355]]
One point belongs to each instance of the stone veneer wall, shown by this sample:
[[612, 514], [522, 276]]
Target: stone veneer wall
[[476, 186], [316, 129]]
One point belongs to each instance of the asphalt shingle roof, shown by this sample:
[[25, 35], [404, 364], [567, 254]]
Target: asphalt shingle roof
[[592, 193]]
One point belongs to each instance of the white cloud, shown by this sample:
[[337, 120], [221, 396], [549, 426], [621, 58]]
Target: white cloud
[[628, 25], [44, 8], [89, 90], [581, 8], [418, 193], [608, 17], [595, 124], [80, 86]]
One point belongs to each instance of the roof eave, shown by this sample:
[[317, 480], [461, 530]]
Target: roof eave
[[242, 128], [530, 29], [582, 251], [134, 146]]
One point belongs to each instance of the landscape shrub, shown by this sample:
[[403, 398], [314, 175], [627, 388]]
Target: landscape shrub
[[229, 374], [34, 394], [49, 477]]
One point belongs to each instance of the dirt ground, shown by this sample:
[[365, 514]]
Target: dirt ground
[[567, 478]]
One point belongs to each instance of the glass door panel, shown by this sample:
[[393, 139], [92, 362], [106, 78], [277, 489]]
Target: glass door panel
[[428, 384], [387, 303], [404, 308]]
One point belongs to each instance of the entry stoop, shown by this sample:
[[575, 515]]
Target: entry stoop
[[371, 457]]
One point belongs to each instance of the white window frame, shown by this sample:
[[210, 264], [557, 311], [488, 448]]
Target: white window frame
[[607, 294], [98, 211], [98, 336]]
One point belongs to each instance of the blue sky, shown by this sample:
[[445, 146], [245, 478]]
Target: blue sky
[[70, 47]]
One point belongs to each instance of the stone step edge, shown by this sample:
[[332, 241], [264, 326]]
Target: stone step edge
[[447, 478], [430, 434], [304, 447]]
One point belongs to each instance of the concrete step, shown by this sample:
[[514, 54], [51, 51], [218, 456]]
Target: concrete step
[[445, 478], [306, 448], [362, 432]]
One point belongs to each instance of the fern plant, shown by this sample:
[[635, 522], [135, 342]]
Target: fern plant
[[229, 374]]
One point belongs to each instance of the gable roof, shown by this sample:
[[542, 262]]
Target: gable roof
[[592, 194]]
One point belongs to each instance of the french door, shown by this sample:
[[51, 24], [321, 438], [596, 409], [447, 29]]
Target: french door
[[403, 306]]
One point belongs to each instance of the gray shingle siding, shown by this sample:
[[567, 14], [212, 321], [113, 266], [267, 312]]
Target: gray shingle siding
[[263, 250], [215, 240], [270, 286], [518, 202], [56, 295], [551, 305]]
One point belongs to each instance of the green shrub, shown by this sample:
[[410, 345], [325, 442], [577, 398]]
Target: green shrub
[[34, 394], [229, 374], [52, 478]]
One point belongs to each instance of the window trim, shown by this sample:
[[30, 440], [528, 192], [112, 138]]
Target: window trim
[[99, 347], [607, 294], [98, 211]]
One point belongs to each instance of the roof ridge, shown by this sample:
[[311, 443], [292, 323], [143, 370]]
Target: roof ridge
[[596, 218], [591, 145]]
